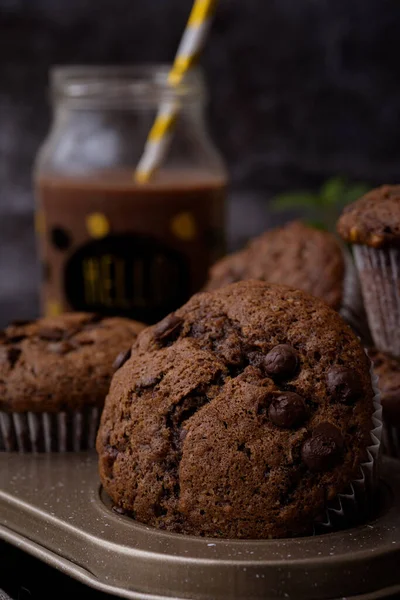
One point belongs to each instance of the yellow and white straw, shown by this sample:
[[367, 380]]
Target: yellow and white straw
[[189, 50]]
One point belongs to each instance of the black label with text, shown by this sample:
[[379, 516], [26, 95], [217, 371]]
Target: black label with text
[[129, 275]]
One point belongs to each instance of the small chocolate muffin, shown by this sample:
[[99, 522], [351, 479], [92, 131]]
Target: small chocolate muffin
[[60, 365], [296, 255], [240, 416], [372, 226], [388, 370], [374, 219]]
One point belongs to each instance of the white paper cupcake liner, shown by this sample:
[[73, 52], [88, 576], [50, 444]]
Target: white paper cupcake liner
[[352, 309], [379, 271], [49, 432], [357, 502]]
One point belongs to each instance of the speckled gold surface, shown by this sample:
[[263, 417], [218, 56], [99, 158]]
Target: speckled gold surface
[[51, 506]]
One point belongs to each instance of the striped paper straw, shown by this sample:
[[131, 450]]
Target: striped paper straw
[[188, 53]]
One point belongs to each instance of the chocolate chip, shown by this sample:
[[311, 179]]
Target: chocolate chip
[[82, 341], [343, 384], [331, 431], [281, 361], [149, 381], [168, 329], [320, 452], [13, 355], [121, 359], [287, 410], [51, 334], [9, 355], [61, 347], [20, 322], [15, 339]]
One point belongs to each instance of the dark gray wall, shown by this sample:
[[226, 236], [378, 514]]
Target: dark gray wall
[[300, 90]]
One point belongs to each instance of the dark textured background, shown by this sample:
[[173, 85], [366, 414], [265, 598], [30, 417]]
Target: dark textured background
[[300, 90]]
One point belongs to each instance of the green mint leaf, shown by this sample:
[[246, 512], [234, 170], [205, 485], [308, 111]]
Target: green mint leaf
[[333, 191]]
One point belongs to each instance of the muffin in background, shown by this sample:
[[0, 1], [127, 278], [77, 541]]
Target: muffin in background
[[54, 376], [295, 255], [304, 258], [372, 226], [388, 370], [244, 414]]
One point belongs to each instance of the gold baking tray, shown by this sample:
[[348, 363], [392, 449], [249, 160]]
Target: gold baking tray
[[52, 507]]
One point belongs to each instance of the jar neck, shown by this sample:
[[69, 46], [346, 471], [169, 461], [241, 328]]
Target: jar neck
[[123, 88], [64, 107]]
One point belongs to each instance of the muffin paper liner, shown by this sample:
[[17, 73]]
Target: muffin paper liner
[[49, 432], [391, 440], [352, 309], [357, 502], [379, 271]]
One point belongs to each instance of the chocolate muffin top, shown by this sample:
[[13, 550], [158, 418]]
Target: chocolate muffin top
[[374, 219], [296, 255], [61, 363], [238, 416], [388, 370]]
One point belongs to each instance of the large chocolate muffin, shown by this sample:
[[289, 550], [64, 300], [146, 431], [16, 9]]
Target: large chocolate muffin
[[241, 415], [296, 255]]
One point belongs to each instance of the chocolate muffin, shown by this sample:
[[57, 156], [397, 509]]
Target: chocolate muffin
[[241, 415], [374, 219], [54, 377], [388, 370], [372, 226], [296, 255]]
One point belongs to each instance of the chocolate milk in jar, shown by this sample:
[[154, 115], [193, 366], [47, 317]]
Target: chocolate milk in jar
[[107, 243]]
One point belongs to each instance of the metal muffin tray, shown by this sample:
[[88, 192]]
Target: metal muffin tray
[[52, 507]]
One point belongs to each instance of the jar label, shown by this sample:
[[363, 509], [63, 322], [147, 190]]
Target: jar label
[[129, 275]]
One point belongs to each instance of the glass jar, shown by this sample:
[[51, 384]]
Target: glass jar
[[109, 244]]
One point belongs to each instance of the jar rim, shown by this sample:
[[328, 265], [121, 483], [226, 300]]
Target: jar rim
[[123, 86]]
